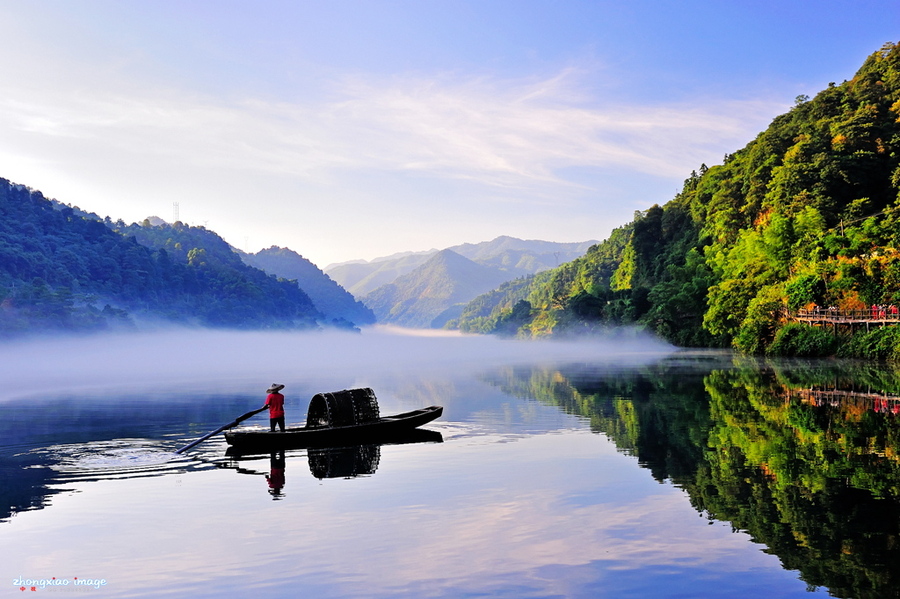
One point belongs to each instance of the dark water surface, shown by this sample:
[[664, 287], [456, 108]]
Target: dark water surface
[[612, 470]]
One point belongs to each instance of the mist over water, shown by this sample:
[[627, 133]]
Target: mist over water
[[194, 359], [572, 468]]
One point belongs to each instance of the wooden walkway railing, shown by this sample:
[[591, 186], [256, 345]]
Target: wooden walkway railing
[[878, 316]]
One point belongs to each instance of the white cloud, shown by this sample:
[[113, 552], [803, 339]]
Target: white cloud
[[507, 134], [542, 158], [519, 133]]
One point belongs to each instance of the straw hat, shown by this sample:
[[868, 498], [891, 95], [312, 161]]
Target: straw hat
[[275, 388]]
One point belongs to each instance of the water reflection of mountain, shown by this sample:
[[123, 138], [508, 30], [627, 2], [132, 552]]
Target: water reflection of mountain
[[819, 487], [641, 410]]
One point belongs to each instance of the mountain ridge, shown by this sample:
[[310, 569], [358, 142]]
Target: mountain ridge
[[63, 269], [422, 297], [328, 296], [520, 257]]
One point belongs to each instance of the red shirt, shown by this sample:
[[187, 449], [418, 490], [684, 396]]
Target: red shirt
[[275, 401], [276, 478]]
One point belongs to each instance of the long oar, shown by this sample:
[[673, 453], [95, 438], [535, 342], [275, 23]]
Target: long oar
[[237, 421]]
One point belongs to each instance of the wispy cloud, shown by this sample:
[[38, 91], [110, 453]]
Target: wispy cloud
[[519, 133], [329, 171], [504, 134]]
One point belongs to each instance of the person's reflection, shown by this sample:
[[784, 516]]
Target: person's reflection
[[276, 474]]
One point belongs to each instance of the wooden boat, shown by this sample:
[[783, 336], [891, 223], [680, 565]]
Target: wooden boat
[[381, 429]]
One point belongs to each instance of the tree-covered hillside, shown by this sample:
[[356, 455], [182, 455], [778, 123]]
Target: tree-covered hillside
[[62, 269], [433, 293], [330, 299], [236, 294], [576, 294], [806, 214]]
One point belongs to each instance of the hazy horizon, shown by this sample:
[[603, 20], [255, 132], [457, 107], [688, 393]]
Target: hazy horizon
[[230, 361]]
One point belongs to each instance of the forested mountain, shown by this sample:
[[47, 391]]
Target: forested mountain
[[63, 269], [330, 299], [509, 307], [361, 278], [434, 292], [518, 257], [806, 214]]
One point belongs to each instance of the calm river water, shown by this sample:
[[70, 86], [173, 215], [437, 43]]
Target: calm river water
[[615, 468]]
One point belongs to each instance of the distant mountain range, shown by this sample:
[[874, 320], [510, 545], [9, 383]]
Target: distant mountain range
[[360, 277], [517, 257], [435, 292], [66, 269], [330, 299]]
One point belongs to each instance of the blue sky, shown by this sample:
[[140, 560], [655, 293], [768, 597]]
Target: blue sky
[[354, 129]]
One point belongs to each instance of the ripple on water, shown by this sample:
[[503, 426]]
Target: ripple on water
[[118, 458]]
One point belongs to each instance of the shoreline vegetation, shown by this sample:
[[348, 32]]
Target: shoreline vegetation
[[805, 215]]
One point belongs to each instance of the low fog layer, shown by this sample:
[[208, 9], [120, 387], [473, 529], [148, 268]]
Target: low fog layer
[[242, 361]]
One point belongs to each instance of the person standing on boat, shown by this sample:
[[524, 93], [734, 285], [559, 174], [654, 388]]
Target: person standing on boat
[[275, 403]]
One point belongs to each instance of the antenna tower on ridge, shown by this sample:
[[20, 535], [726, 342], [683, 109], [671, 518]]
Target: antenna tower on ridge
[[174, 212]]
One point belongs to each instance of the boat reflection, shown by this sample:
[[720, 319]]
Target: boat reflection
[[324, 462], [344, 462]]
